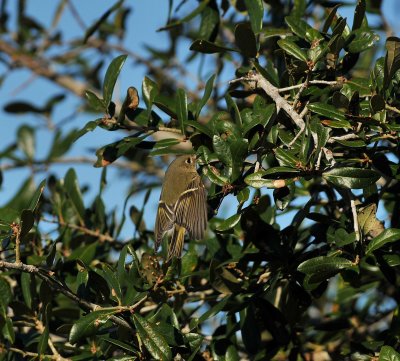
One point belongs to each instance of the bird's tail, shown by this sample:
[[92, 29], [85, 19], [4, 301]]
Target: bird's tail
[[176, 246]]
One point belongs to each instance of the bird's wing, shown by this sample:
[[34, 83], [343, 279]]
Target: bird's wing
[[191, 209], [164, 222]]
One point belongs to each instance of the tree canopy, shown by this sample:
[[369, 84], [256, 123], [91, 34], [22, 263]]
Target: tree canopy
[[292, 116]]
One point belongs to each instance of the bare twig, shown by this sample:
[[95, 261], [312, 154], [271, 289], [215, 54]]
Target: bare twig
[[343, 137], [100, 236], [273, 92], [58, 286], [393, 109], [311, 82]]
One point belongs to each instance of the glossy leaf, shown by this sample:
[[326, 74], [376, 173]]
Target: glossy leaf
[[387, 236], [74, 193], [323, 264], [207, 93], [388, 353], [303, 30], [89, 324], [95, 102], [111, 77], [152, 339], [354, 178], [293, 49], [255, 9]]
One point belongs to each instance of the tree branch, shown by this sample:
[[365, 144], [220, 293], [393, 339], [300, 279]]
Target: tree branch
[[57, 286]]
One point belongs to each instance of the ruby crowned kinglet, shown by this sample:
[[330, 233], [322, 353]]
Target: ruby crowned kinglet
[[183, 205]]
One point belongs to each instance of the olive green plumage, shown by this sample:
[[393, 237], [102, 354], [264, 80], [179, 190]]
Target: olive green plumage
[[183, 205]]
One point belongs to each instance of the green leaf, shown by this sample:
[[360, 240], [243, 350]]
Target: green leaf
[[255, 8], [207, 93], [207, 47], [229, 223], [182, 108], [26, 141], [27, 221], [122, 345], [200, 127], [353, 178], [324, 265], [188, 17], [261, 117], [152, 339], [5, 293], [74, 193], [95, 102], [102, 20], [256, 180], [89, 127], [36, 196], [387, 236], [26, 284], [150, 91], [221, 148], [214, 176], [89, 324], [303, 30], [327, 110], [359, 14], [43, 341], [217, 308], [111, 77], [388, 353], [363, 40], [293, 49]]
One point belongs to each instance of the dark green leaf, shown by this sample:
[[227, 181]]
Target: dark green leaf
[[27, 221], [89, 324], [387, 236], [111, 77], [354, 178], [152, 339], [363, 40], [323, 264], [293, 49], [303, 30], [5, 293], [207, 47], [229, 223], [207, 93], [255, 9], [95, 102], [36, 196], [74, 193], [92, 29], [43, 341], [26, 284], [359, 14], [328, 111]]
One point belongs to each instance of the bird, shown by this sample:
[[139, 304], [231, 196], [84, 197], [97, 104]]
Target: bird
[[182, 207]]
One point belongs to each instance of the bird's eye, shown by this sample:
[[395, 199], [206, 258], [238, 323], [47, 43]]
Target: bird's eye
[[188, 160]]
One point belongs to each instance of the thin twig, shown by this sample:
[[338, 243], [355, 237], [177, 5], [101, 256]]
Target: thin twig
[[273, 92], [393, 109], [311, 82], [58, 286], [101, 236]]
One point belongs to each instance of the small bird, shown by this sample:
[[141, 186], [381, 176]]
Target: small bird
[[183, 205]]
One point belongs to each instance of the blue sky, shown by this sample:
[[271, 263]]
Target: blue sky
[[146, 18]]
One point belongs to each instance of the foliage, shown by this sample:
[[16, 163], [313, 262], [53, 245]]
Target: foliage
[[306, 130]]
